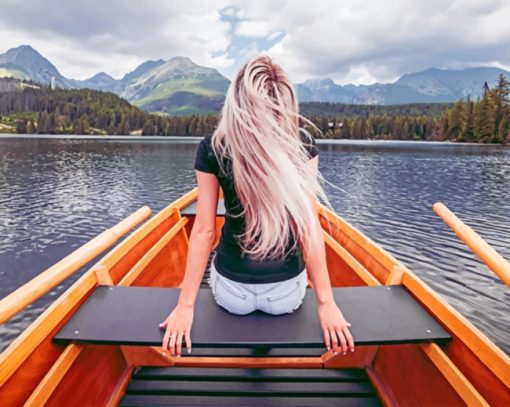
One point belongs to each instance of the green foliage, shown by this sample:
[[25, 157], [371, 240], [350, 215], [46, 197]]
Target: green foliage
[[85, 111], [483, 121], [338, 110], [62, 111]]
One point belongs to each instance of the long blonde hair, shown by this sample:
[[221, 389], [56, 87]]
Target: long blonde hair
[[259, 131]]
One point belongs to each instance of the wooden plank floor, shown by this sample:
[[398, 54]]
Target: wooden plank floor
[[208, 386], [207, 274]]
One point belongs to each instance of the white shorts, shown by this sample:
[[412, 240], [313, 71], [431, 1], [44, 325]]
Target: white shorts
[[273, 298]]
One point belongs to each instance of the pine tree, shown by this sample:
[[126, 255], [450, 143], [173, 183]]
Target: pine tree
[[504, 128], [500, 96], [457, 119], [483, 123], [469, 132]]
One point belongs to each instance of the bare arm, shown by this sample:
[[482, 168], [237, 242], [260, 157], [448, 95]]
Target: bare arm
[[202, 237], [315, 261], [334, 325]]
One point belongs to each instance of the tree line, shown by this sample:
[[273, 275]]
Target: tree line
[[485, 120], [84, 111]]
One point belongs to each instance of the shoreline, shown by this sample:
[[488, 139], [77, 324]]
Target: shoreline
[[193, 139]]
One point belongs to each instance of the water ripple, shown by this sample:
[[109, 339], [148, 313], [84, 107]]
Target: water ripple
[[56, 194]]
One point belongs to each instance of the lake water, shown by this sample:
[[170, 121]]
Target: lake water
[[56, 194]]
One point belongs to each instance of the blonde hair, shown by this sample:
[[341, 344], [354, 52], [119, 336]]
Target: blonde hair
[[259, 131]]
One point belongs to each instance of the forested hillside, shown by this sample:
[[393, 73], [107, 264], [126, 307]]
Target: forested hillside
[[33, 109], [60, 111]]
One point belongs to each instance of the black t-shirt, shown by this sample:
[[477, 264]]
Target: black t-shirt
[[230, 261]]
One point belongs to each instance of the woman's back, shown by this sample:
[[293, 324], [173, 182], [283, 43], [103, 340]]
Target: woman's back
[[230, 261]]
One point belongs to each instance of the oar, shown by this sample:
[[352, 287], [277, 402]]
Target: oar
[[50, 278], [480, 247]]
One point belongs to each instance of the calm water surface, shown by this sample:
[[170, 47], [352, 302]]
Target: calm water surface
[[56, 194]]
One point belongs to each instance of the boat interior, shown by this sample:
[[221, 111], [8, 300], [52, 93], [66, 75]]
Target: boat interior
[[99, 342]]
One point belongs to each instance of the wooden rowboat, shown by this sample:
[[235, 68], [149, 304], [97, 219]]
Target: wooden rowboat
[[98, 344]]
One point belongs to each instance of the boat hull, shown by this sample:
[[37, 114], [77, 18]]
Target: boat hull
[[34, 370]]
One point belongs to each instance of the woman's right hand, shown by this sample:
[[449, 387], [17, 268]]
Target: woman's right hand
[[178, 325]]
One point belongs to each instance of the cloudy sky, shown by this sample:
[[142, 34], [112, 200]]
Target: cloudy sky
[[350, 41]]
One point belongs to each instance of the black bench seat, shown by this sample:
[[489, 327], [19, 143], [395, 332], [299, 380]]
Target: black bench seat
[[191, 209], [131, 316]]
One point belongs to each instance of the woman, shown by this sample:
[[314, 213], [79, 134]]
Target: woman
[[267, 168]]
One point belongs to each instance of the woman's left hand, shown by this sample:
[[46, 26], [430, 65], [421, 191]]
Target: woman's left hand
[[335, 328]]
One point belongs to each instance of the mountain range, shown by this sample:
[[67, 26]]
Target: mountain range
[[179, 86]]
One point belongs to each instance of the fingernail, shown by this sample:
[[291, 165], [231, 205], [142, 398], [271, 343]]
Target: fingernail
[[164, 353], [334, 352], [345, 353], [178, 356]]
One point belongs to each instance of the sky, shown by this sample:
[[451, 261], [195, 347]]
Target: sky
[[350, 41]]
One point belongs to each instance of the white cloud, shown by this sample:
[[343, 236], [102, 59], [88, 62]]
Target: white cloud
[[360, 41], [272, 36], [374, 40], [252, 29], [82, 38]]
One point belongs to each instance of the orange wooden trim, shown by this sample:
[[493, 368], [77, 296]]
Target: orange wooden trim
[[19, 350], [154, 356], [120, 390], [363, 356], [146, 356], [179, 216], [248, 362], [115, 255], [53, 377], [186, 199], [375, 250], [102, 275], [48, 279], [479, 246], [462, 386], [138, 268], [22, 347], [491, 355], [360, 270], [395, 276], [382, 392]]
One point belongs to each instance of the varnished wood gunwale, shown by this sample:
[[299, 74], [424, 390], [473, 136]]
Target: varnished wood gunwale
[[139, 267], [50, 278], [54, 376], [16, 387], [483, 353], [355, 265], [453, 374]]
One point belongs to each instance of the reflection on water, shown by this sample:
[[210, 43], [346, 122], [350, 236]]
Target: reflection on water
[[57, 194]]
